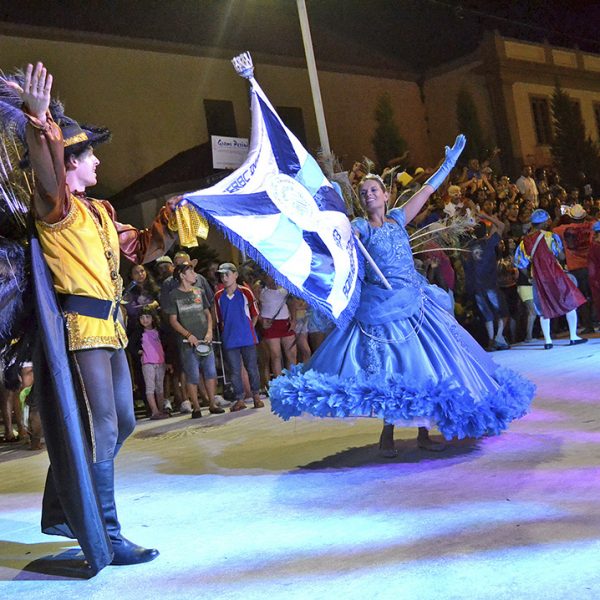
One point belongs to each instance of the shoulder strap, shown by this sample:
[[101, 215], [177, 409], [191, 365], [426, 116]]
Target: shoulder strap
[[281, 307], [537, 242]]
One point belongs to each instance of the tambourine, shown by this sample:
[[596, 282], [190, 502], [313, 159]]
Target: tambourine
[[203, 349]]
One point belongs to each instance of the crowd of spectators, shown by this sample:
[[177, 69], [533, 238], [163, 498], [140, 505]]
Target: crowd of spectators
[[175, 315], [494, 299]]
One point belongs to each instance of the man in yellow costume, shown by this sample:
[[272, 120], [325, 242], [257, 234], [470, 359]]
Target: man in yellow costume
[[80, 242]]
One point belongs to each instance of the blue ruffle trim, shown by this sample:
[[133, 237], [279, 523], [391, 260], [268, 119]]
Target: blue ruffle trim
[[393, 398]]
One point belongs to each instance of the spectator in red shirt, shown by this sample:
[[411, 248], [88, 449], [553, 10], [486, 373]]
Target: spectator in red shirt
[[576, 236]]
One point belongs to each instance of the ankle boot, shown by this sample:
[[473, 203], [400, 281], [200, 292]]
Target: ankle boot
[[125, 552]]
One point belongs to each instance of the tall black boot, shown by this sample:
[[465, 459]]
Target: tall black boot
[[125, 552]]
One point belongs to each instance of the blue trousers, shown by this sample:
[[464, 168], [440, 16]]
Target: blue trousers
[[105, 380], [234, 357]]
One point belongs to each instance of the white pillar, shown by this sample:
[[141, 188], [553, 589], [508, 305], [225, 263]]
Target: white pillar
[[314, 80]]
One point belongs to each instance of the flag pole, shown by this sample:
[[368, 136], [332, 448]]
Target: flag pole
[[314, 79], [320, 114], [373, 264]]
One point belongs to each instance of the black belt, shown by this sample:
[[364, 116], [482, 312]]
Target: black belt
[[88, 306]]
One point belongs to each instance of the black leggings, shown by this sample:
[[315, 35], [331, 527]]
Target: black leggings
[[106, 382]]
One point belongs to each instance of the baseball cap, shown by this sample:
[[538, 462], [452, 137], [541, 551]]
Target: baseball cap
[[227, 267], [164, 259]]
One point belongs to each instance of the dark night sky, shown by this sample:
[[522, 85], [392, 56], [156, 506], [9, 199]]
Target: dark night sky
[[415, 34], [429, 32]]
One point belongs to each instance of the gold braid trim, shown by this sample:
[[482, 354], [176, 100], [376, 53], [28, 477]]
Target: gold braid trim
[[65, 223], [112, 259], [75, 139], [78, 342]]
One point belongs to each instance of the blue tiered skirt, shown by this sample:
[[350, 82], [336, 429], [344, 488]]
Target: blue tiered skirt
[[406, 360]]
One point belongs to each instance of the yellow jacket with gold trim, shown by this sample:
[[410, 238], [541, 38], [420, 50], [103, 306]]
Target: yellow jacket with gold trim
[[82, 240]]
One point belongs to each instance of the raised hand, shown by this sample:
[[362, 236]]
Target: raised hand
[[453, 153], [173, 202], [36, 89]]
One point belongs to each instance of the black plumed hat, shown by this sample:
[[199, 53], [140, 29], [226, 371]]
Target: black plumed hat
[[78, 137]]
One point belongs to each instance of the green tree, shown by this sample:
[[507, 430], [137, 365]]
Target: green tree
[[468, 123], [387, 141], [573, 152]]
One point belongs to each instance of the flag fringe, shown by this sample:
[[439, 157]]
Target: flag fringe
[[239, 242]]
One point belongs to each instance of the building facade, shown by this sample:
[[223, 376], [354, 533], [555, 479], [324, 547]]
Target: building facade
[[512, 83], [161, 99]]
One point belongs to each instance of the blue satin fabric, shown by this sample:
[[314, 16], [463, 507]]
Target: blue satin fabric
[[404, 357], [426, 346], [403, 330]]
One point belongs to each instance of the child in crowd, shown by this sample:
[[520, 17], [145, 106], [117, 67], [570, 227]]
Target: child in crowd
[[10, 387], [17, 397], [191, 319], [148, 344], [237, 314], [31, 414]]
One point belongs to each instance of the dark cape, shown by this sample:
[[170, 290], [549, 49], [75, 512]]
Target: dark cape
[[70, 506]]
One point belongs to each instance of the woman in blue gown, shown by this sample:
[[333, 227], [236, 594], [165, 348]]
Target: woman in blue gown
[[403, 358]]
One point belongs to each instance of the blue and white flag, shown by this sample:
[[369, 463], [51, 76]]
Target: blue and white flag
[[281, 210]]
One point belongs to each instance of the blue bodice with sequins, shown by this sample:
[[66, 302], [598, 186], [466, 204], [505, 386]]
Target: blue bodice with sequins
[[389, 246]]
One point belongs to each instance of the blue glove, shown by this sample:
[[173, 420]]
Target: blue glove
[[452, 155]]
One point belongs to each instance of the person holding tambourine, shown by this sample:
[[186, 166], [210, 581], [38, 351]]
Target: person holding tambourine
[[190, 317]]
